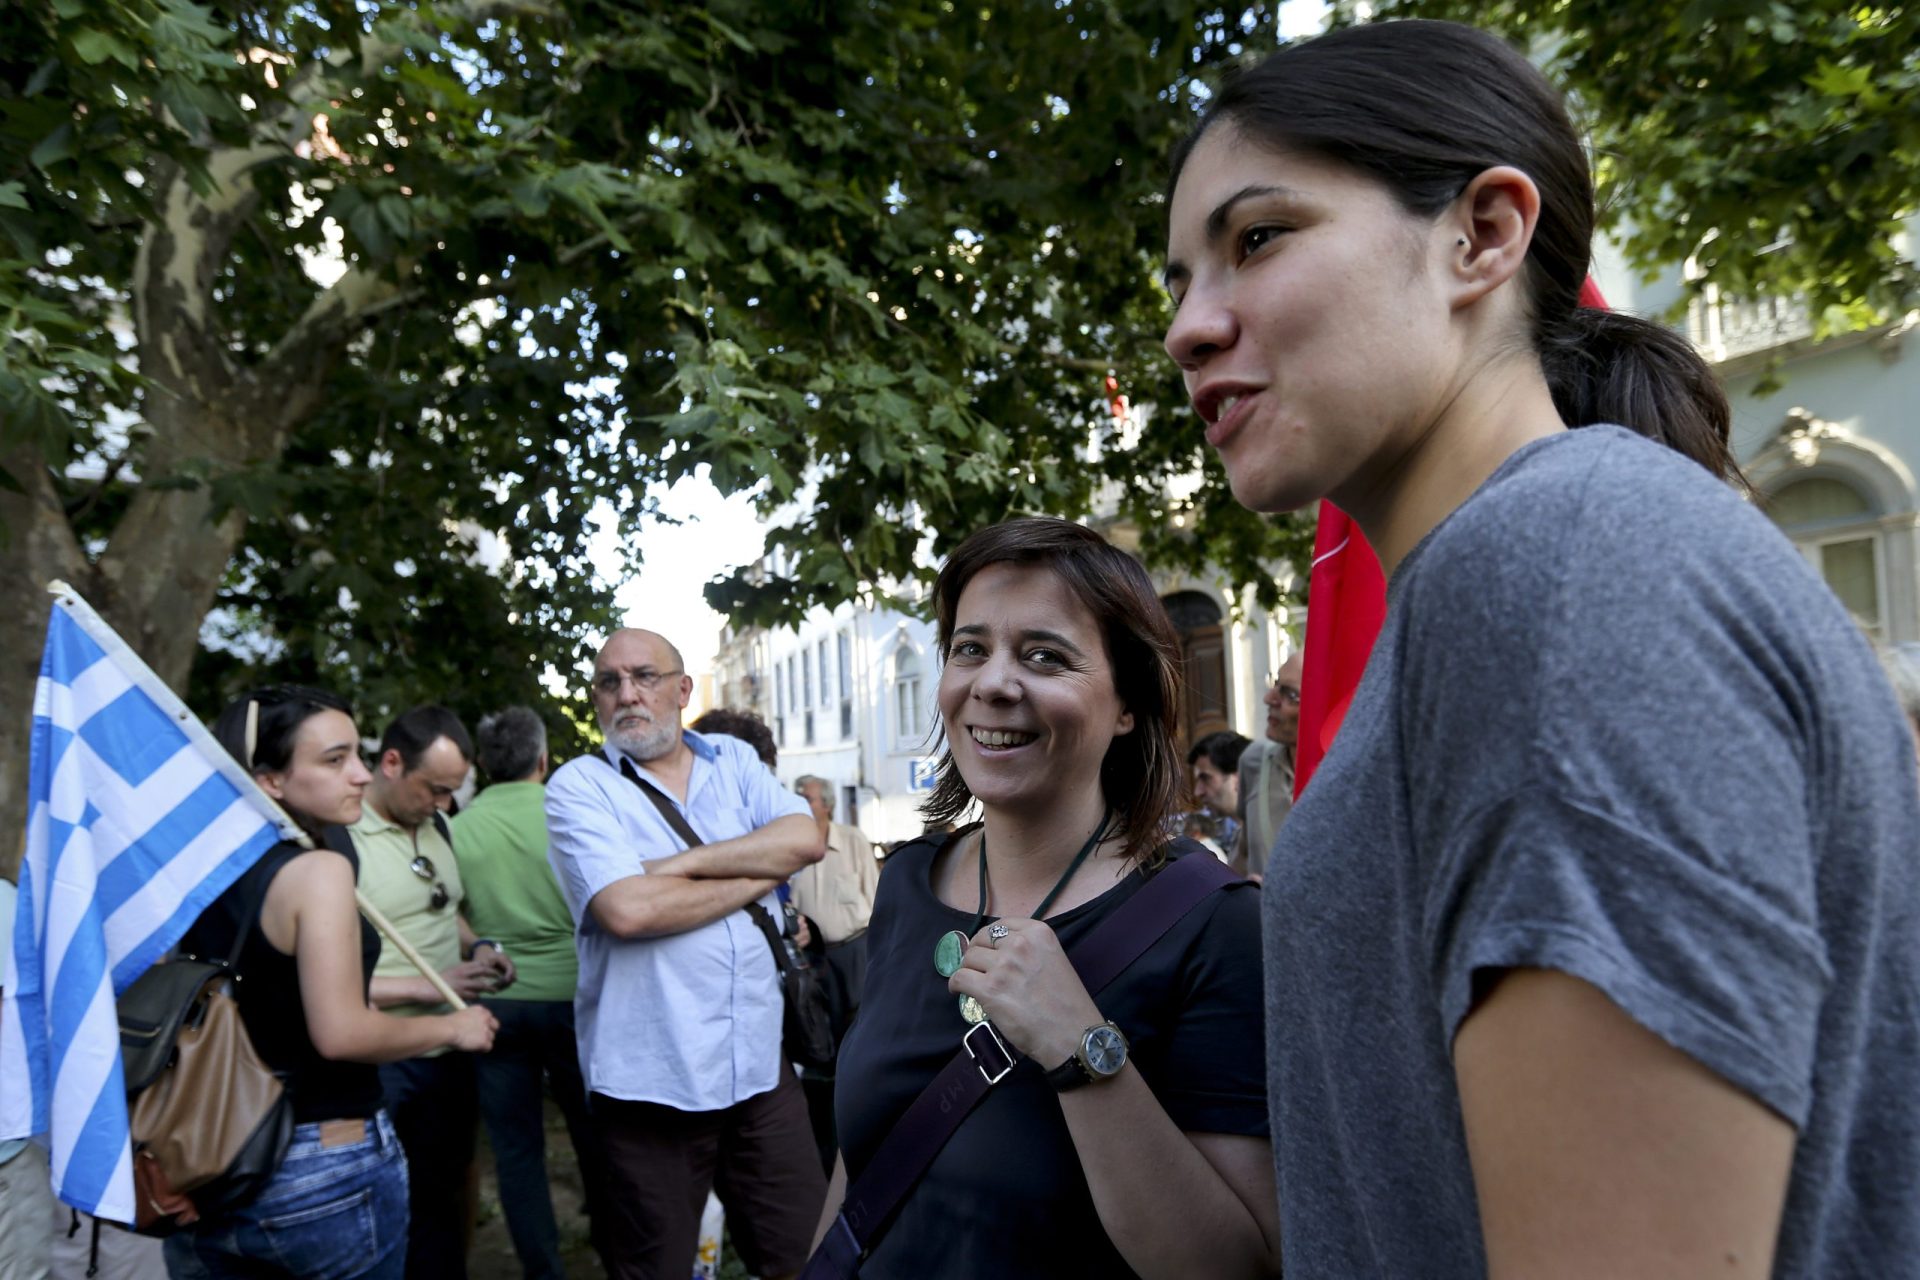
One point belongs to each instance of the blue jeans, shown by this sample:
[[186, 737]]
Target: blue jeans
[[536, 1045], [331, 1212]]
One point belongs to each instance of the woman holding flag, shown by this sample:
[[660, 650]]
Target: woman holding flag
[[337, 1207], [1594, 946]]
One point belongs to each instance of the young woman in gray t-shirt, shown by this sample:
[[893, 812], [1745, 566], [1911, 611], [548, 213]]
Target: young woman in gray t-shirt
[[1594, 947]]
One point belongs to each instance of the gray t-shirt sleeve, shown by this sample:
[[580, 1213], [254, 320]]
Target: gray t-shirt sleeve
[[1575, 802]]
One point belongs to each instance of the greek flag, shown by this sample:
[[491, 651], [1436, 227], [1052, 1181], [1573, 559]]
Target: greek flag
[[136, 821]]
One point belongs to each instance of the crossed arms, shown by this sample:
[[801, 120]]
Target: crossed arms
[[697, 886]]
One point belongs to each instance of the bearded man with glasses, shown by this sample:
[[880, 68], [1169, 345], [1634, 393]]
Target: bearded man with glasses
[[408, 872], [678, 1009]]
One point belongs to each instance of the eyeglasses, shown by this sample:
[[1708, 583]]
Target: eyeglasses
[[1288, 693], [422, 866], [607, 684]]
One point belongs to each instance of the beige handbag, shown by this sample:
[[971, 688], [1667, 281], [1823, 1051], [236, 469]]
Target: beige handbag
[[210, 1121]]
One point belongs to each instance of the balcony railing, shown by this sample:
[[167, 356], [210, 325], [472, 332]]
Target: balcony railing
[[1728, 330]]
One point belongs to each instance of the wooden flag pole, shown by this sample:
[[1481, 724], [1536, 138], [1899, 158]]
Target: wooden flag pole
[[405, 948]]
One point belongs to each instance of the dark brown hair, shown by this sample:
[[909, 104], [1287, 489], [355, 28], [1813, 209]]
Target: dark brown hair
[[744, 725], [1141, 776], [418, 728], [1423, 108], [278, 712]]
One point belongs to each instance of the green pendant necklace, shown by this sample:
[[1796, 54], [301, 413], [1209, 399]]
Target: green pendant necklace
[[947, 952]]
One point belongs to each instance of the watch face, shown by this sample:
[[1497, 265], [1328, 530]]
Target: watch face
[[1106, 1051]]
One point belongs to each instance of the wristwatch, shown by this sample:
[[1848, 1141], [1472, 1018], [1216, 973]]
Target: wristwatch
[[1101, 1055]]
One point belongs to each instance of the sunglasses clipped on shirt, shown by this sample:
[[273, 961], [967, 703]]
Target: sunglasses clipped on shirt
[[422, 866]]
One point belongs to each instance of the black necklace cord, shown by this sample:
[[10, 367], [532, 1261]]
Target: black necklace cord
[[1040, 912]]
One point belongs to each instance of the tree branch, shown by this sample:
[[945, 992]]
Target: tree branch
[[1082, 364], [78, 511], [356, 297]]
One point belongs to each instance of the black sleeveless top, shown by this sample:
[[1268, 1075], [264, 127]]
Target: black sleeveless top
[[268, 991]]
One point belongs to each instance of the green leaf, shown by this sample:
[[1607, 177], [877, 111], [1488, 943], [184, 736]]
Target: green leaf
[[174, 96], [53, 148], [369, 228], [395, 214], [13, 195], [94, 46], [1840, 82], [42, 77], [530, 197]]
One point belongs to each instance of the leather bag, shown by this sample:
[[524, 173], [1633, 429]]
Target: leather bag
[[806, 1026], [210, 1120]]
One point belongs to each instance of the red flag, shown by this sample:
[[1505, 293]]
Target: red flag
[[1346, 603]]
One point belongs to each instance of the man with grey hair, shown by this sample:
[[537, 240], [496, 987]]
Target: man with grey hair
[[835, 893], [1266, 774], [679, 1007], [500, 842]]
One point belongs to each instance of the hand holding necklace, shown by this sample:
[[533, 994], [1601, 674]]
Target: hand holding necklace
[[1029, 988]]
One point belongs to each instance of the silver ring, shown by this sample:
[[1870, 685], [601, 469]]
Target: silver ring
[[995, 932]]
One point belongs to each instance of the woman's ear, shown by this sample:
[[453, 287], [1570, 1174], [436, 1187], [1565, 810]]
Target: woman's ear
[[1124, 725], [1490, 226], [274, 784]]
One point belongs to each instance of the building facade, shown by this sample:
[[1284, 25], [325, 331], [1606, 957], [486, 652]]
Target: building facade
[[1828, 433]]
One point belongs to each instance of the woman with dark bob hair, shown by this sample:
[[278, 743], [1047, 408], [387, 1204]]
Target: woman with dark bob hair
[[1132, 1137], [337, 1206], [1593, 949]]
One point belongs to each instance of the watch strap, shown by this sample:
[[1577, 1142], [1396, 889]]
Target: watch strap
[[1070, 1074]]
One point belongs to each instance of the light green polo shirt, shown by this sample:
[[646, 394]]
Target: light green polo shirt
[[512, 897], [386, 878]]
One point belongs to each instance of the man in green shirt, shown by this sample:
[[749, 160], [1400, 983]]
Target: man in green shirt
[[408, 872], [501, 844]]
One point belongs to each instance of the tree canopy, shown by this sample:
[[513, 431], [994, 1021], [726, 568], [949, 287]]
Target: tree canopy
[[332, 310], [341, 320]]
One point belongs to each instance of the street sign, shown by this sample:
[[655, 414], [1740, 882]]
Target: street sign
[[923, 774]]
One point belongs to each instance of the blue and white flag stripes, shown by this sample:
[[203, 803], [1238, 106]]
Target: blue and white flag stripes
[[136, 821]]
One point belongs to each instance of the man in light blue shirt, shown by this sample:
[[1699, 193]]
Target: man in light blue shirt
[[678, 1008]]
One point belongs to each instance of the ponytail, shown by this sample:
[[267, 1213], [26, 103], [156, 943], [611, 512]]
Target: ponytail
[[1608, 366]]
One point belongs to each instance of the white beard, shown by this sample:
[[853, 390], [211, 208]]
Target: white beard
[[643, 739]]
